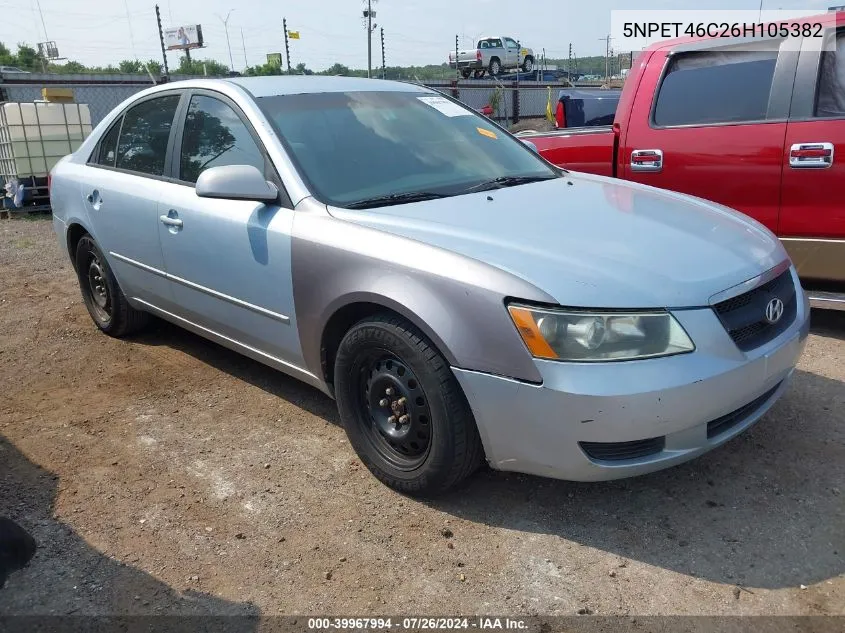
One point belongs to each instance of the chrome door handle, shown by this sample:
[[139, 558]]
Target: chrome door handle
[[811, 155], [168, 221], [647, 160]]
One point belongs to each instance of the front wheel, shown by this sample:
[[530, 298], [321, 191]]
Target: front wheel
[[103, 298], [402, 408], [528, 65]]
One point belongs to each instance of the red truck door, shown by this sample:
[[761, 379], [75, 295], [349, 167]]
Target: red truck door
[[714, 126], [812, 219]]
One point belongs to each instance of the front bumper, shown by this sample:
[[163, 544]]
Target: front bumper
[[542, 429]]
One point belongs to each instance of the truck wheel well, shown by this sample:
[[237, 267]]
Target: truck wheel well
[[75, 232]]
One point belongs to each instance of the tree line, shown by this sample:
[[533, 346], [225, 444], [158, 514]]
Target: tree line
[[27, 58]]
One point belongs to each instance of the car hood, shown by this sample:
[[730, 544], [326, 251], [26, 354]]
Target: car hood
[[590, 241]]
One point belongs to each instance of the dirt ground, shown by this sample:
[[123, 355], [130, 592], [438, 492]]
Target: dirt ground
[[165, 474]]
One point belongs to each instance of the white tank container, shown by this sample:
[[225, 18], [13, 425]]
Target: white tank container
[[35, 136]]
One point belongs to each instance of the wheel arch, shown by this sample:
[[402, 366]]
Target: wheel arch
[[75, 232], [346, 313]]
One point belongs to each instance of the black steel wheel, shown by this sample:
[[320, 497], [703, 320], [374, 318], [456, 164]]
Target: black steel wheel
[[402, 408], [103, 298], [394, 401]]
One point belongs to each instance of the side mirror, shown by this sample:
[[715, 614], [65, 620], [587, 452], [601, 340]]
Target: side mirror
[[531, 146], [236, 182]]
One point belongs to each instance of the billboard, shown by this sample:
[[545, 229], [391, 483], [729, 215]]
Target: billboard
[[183, 37]]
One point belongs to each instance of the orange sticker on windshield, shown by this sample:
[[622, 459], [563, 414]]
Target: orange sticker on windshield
[[486, 133]]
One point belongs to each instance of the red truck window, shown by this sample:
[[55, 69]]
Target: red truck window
[[705, 87], [831, 96]]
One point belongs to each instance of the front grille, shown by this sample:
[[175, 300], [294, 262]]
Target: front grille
[[744, 316], [726, 422], [619, 451]]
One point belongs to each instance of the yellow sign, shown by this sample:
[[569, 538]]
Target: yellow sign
[[294, 35], [523, 52]]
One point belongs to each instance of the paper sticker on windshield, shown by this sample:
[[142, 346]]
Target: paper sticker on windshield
[[444, 106], [486, 133]]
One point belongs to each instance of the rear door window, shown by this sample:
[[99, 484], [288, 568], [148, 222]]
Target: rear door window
[[144, 136], [831, 96], [707, 87]]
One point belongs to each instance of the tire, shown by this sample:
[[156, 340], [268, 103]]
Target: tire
[[495, 67], [466, 72], [528, 64], [103, 298], [478, 74], [438, 445]]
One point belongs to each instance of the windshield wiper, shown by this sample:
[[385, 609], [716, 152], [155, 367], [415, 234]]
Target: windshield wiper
[[506, 181], [395, 198]]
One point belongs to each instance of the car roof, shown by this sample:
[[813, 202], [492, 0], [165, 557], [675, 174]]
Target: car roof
[[305, 84]]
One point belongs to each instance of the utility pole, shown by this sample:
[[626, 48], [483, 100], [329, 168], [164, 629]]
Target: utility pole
[[161, 39], [369, 14], [287, 47], [569, 66], [243, 43], [383, 66], [228, 44], [607, 59], [457, 70]]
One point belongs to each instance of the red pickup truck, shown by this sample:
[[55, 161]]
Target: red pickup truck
[[761, 131]]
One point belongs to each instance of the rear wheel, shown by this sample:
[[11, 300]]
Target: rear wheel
[[466, 72], [103, 298], [495, 67], [402, 408]]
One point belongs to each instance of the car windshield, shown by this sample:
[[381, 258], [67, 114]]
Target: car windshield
[[393, 147]]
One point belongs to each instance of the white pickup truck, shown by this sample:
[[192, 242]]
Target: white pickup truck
[[493, 55]]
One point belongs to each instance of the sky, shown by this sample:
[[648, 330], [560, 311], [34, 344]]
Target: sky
[[417, 32]]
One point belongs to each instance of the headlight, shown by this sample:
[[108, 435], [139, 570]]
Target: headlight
[[599, 336]]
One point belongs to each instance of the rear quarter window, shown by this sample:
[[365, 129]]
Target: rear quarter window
[[830, 101], [707, 87]]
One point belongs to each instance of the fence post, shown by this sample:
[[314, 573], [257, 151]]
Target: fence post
[[515, 102], [455, 92]]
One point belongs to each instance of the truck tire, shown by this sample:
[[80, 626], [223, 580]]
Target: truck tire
[[103, 298], [495, 67], [466, 72], [387, 371], [528, 64]]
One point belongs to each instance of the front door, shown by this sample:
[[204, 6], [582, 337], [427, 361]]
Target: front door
[[229, 261], [714, 129], [812, 218]]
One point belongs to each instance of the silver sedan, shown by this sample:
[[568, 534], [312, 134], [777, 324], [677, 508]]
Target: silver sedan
[[461, 298]]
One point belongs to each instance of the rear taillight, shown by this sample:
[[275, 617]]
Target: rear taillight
[[560, 115], [478, 55]]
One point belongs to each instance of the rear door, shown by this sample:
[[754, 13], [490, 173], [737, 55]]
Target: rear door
[[229, 261], [123, 181], [715, 126], [812, 219]]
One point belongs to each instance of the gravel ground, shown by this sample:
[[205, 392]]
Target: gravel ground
[[165, 474]]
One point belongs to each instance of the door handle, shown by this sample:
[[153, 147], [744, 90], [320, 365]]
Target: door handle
[[170, 221], [94, 199], [647, 160], [811, 155]]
